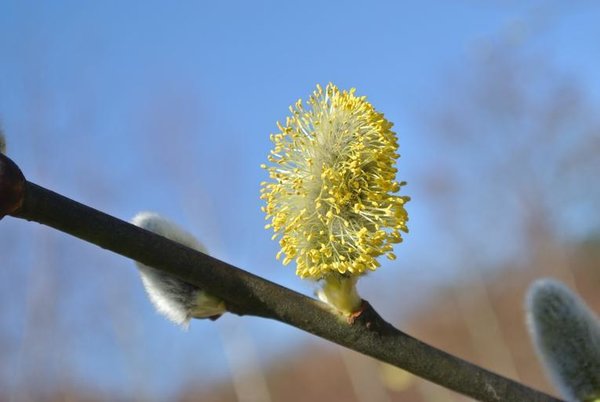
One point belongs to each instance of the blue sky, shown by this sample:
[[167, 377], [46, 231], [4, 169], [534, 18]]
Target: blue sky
[[168, 107]]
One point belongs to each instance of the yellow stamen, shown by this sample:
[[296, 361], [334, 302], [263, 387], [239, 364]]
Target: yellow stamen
[[331, 198]]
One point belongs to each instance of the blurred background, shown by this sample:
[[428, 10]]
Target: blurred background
[[130, 106]]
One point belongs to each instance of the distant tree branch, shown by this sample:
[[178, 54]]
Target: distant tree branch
[[248, 294]]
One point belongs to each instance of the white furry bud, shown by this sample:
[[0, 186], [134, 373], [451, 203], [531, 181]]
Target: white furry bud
[[566, 334], [2, 142], [177, 300]]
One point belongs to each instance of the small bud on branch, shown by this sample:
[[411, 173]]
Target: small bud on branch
[[12, 186]]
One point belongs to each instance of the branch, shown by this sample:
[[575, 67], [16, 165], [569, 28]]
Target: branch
[[248, 294]]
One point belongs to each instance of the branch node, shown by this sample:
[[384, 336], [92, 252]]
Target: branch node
[[351, 319], [367, 317]]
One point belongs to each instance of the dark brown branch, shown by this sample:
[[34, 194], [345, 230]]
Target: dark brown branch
[[248, 294]]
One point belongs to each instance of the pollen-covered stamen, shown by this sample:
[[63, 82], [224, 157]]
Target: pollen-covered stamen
[[331, 196]]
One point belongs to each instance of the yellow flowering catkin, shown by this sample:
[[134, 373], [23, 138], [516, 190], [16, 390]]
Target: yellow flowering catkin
[[331, 199]]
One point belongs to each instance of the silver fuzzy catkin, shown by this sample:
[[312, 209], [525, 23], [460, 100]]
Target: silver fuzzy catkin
[[2, 142], [566, 334], [177, 300]]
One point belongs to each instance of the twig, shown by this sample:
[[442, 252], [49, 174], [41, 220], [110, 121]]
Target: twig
[[248, 294]]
